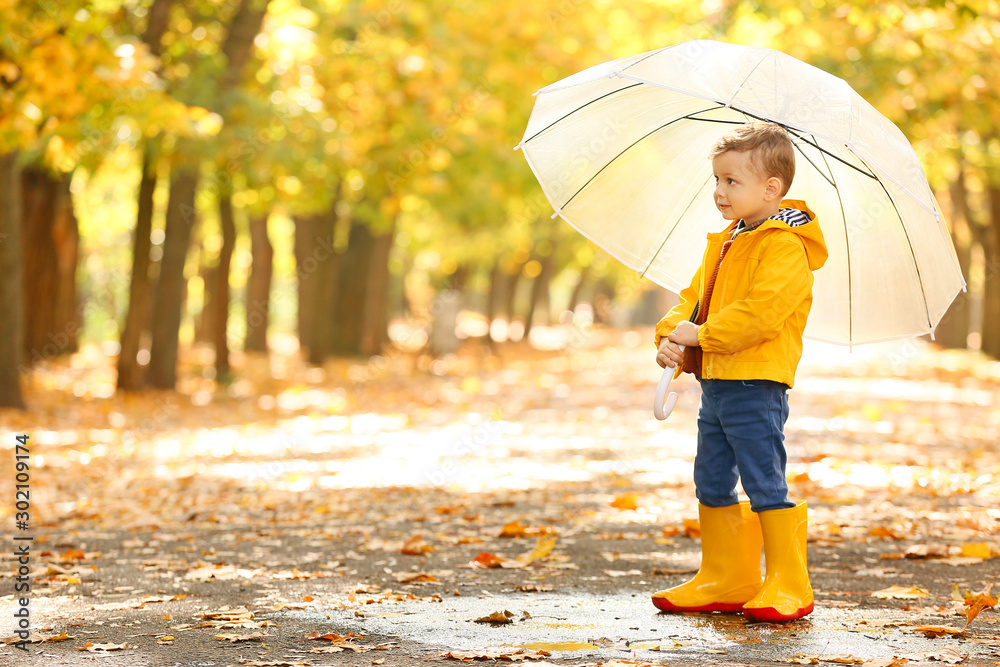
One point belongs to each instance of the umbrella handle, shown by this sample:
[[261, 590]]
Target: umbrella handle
[[662, 408]]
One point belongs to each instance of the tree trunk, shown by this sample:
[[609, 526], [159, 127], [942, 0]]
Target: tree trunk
[[360, 324], [574, 298], [539, 293], [203, 320], [512, 282], [218, 302], [991, 295], [493, 296], [131, 373], [316, 269], [172, 285], [11, 284], [375, 335], [51, 244], [953, 329], [259, 285]]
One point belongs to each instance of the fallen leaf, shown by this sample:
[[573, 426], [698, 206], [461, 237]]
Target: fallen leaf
[[415, 546], [542, 549], [949, 655], [626, 501], [934, 631], [976, 550], [534, 588], [884, 531], [380, 661], [519, 654], [406, 577], [927, 551], [102, 648], [487, 559], [900, 593], [976, 602], [165, 639], [841, 659], [234, 637], [496, 618], [801, 660], [36, 638]]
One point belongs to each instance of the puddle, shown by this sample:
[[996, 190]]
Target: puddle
[[557, 646], [623, 626]]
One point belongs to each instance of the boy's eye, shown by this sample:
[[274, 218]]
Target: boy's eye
[[731, 181]]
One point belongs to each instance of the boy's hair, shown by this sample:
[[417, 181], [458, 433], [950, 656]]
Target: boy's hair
[[770, 149]]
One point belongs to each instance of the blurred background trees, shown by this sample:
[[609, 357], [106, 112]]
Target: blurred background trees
[[175, 174]]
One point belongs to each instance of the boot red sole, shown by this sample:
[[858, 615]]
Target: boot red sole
[[663, 604], [772, 615]]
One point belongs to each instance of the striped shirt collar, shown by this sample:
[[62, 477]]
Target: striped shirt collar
[[792, 217]]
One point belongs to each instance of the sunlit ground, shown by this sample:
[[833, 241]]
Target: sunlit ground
[[866, 424]]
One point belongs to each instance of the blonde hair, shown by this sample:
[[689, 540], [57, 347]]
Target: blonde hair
[[769, 146]]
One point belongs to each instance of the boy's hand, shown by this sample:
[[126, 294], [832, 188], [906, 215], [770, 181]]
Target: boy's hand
[[686, 334], [669, 354]]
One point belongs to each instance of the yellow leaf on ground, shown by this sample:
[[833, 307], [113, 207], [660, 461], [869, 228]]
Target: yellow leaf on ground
[[542, 549], [976, 550], [626, 501], [513, 529], [415, 546], [976, 602], [900, 593]]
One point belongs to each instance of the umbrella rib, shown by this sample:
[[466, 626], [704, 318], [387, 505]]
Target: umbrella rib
[[828, 179], [674, 228], [847, 249], [559, 120], [909, 244], [814, 143], [623, 151]]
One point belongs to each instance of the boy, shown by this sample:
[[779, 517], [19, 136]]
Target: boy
[[741, 321]]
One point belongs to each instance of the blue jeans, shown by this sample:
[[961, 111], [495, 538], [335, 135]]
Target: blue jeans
[[741, 436]]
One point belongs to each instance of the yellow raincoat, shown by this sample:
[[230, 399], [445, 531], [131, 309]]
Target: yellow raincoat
[[760, 303]]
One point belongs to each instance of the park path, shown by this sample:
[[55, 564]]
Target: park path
[[402, 499]]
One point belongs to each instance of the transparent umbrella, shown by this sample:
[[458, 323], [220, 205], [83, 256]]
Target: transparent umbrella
[[621, 151]]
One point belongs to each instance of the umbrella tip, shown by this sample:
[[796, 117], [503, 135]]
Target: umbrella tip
[[556, 214], [518, 147]]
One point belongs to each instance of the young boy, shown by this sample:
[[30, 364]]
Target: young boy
[[741, 322]]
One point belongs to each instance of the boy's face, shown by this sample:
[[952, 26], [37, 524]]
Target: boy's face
[[740, 192]]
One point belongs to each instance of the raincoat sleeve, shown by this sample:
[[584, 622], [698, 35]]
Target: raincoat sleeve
[[780, 284], [682, 311]]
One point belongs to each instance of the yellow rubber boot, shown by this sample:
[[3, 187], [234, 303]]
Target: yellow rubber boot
[[729, 575], [787, 593]]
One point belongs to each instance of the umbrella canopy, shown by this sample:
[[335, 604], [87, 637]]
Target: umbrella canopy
[[621, 152]]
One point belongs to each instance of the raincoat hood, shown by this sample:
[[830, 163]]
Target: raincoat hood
[[810, 233]]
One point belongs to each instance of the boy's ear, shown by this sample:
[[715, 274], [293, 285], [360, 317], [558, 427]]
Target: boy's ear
[[772, 188]]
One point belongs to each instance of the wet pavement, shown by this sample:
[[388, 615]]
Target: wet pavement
[[598, 628]]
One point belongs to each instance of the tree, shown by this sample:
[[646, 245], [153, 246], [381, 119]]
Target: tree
[[259, 285], [11, 289], [131, 373], [181, 212]]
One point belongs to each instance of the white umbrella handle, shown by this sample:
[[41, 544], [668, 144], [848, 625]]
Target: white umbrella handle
[[662, 408]]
